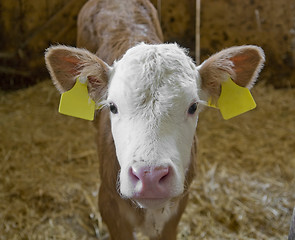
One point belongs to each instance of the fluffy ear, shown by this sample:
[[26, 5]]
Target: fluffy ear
[[65, 64], [242, 64]]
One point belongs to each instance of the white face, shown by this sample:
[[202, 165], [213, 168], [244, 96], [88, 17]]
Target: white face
[[153, 94]]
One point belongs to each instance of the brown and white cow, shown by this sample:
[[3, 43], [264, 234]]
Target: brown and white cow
[[152, 95]]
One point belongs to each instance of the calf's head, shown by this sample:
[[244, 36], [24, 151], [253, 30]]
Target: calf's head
[[154, 93]]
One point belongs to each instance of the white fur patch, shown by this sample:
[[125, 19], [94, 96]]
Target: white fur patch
[[153, 86], [155, 220]]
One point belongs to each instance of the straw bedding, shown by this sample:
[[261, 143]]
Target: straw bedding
[[245, 187]]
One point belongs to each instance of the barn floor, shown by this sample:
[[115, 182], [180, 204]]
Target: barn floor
[[245, 187]]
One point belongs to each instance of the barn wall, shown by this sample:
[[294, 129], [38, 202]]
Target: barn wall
[[270, 24], [224, 23], [178, 21], [29, 27]]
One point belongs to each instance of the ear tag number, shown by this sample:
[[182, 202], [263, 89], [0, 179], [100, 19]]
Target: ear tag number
[[234, 100], [77, 103]]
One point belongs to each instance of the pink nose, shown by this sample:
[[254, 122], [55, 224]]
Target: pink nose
[[150, 182]]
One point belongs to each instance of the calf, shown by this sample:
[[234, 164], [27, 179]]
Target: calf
[[151, 95]]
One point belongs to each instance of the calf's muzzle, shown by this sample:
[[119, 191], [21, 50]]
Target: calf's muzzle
[[150, 182]]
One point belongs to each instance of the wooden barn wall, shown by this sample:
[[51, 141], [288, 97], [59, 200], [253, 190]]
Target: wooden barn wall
[[30, 26], [224, 23]]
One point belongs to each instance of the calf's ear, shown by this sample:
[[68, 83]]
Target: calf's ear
[[242, 64], [65, 64]]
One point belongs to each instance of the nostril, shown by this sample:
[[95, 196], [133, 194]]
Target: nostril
[[148, 175], [134, 174], [164, 173], [162, 179]]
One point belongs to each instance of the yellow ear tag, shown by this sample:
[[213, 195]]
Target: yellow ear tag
[[77, 103], [234, 100]]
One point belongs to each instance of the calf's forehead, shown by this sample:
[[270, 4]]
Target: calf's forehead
[[153, 73]]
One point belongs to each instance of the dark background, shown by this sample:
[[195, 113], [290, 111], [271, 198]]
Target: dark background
[[28, 27]]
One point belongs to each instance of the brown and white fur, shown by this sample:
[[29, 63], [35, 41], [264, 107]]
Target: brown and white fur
[[152, 93]]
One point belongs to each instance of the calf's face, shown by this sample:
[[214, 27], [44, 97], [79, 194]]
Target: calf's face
[[154, 93], [153, 96]]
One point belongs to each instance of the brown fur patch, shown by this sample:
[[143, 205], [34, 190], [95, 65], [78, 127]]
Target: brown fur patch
[[65, 64]]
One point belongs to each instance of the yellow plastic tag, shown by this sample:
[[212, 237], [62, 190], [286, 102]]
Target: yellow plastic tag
[[77, 103], [234, 100]]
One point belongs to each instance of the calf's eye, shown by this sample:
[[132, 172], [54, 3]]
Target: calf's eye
[[192, 109], [113, 108]]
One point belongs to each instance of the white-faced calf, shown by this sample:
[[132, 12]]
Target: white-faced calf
[[151, 96]]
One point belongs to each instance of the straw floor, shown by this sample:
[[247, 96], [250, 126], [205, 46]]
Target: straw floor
[[245, 188]]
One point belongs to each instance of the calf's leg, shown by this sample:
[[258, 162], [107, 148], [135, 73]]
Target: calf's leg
[[118, 225]]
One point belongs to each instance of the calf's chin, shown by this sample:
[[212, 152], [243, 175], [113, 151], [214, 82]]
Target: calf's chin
[[152, 203]]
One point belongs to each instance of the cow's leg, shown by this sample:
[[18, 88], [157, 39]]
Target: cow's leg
[[118, 225]]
